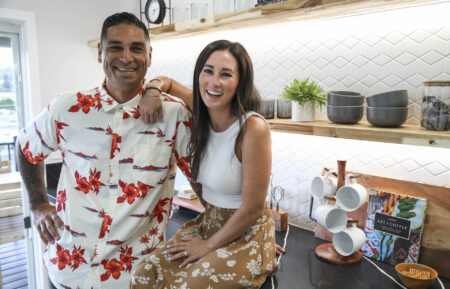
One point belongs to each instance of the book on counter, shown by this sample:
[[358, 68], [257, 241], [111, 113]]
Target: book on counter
[[394, 226]]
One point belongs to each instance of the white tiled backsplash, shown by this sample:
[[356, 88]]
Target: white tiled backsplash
[[368, 53]]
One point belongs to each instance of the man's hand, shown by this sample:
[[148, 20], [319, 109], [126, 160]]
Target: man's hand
[[150, 107], [46, 220]]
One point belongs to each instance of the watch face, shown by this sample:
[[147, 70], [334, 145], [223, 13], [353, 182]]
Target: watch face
[[155, 10]]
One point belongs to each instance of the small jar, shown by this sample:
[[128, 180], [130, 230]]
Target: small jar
[[284, 108], [268, 108], [436, 105]]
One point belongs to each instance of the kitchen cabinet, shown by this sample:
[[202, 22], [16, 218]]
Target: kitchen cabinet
[[288, 11], [406, 134]]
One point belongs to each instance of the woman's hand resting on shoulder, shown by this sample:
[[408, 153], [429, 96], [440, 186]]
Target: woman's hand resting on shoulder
[[150, 106]]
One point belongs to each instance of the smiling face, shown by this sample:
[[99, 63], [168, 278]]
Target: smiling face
[[126, 54], [218, 80]]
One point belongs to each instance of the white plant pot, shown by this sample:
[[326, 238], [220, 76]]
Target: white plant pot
[[304, 112]]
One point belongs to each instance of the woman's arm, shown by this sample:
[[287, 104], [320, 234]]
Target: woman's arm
[[150, 106], [256, 165]]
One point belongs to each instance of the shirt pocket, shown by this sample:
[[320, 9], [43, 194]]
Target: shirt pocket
[[151, 163]]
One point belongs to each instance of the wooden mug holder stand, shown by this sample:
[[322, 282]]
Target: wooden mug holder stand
[[326, 251]]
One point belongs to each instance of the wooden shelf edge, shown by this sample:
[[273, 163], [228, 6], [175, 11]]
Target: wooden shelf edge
[[288, 11], [406, 134]]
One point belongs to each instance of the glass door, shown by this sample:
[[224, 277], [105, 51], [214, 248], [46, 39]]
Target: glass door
[[16, 246]]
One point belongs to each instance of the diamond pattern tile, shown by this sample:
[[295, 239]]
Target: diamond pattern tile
[[401, 51]]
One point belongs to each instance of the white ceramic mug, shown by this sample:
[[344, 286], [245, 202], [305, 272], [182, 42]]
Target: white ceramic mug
[[330, 217], [351, 196], [349, 240], [322, 186]]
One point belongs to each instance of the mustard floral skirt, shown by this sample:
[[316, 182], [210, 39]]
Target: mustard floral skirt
[[243, 263]]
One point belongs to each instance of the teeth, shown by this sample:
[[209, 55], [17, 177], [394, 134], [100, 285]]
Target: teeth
[[126, 69], [213, 92]]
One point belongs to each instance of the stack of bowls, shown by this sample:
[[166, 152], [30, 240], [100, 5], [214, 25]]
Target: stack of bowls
[[345, 107], [388, 109]]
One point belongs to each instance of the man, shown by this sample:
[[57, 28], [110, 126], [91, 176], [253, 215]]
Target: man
[[116, 185]]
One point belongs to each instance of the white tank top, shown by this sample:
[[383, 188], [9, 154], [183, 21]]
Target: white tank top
[[220, 170]]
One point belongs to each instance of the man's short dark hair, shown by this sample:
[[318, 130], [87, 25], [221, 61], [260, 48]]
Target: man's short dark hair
[[123, 18]]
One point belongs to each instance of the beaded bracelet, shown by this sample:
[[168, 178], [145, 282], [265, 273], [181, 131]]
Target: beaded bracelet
[[155, 88]]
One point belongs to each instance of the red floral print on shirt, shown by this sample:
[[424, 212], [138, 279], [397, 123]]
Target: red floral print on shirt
[[42, 138], [126, 257], [107, 221], [63, 258], [83, 184], [85, 102], [116, 140], [98, 101], [113, 268], [130, 193], [61, 199], [59, 127], [183, 164], [143, 189], [83, 156], [134, 112], [158, 133], [158, 211], [145, 239], [74, 233], [170, 142], [94, 177], [153, 231], [29, 156], [77, 257]]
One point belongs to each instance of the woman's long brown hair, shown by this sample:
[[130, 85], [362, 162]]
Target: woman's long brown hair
[[246, 99]]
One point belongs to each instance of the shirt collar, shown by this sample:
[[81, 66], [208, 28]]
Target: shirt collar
[[109, 103]]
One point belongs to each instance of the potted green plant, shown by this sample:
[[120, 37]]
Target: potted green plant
[[306, 95]]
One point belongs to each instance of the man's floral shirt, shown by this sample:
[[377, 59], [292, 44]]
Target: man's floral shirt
[[116, 185]]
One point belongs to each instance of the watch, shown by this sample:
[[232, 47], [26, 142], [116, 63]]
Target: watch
[[155, 11]]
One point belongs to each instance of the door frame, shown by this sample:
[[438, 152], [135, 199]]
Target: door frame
[[23, 23]]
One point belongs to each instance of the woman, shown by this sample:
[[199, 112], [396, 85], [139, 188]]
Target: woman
[[232, 244]]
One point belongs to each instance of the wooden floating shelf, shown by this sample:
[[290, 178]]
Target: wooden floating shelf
[[288, 11], [406, 134]]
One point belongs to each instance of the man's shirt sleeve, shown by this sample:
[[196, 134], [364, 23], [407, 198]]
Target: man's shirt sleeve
[[183, 135], [38, 139]]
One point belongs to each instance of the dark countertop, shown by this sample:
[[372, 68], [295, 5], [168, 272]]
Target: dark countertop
[[300, 268]]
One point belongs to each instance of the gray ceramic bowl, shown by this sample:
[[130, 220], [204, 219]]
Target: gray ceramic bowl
[[396, 98], [345, 114], [345, 98], [387, 116]]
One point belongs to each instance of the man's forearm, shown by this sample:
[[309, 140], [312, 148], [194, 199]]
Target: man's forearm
[[33, 178]]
